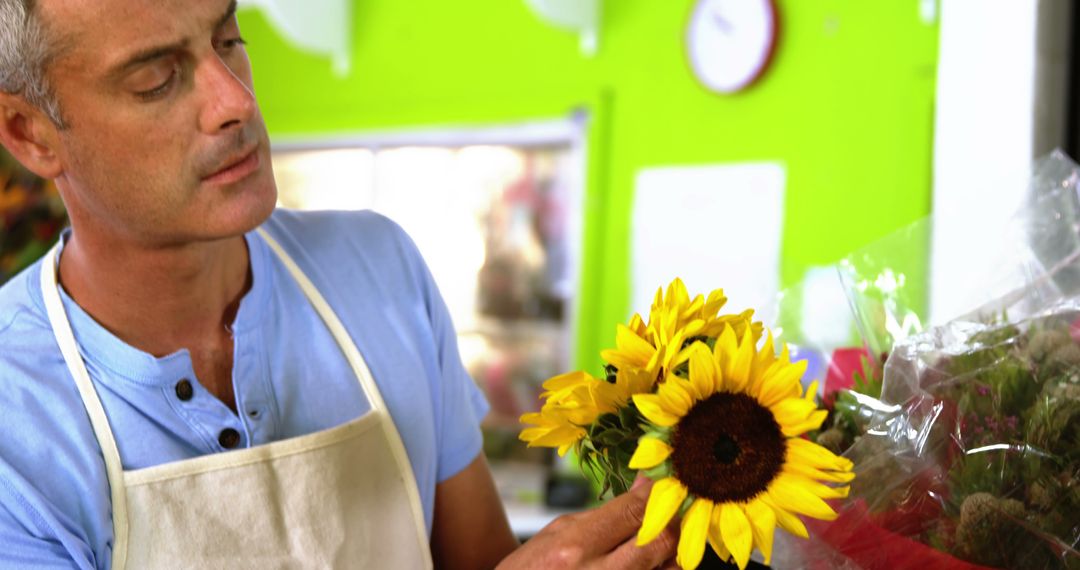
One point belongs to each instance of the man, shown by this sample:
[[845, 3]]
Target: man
[[165, 331]]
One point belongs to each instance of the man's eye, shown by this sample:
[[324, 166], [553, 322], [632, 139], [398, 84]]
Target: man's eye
[[156, 92], [231, 43]]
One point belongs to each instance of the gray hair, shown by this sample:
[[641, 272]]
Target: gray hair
[[24, 55]]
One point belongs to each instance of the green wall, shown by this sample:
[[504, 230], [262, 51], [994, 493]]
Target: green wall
[[847, 106]]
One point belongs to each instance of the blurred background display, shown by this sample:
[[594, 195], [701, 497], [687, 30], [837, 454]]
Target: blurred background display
[[31, 216], [496, 225]]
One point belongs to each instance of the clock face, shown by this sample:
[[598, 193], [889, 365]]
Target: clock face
[[730, 42]]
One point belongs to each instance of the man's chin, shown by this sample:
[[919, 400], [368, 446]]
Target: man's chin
[[238, 215], [255, 214]]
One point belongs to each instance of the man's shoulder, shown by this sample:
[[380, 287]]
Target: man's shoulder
[[30, 360], [49, 459], [33, 377], [364, 238], [334, 226], [345, 253], [20, 305]]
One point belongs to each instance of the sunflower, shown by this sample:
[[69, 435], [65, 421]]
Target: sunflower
[[574, 401], [724, 443], [675, 320]]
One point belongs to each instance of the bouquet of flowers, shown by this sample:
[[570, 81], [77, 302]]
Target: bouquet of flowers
[[966, 439], [694, 400], [979, 463]]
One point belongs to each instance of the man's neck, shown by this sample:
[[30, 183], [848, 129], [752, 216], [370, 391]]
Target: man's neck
[[158, 299]]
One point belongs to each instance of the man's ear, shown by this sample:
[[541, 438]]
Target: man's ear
[[29, 136]]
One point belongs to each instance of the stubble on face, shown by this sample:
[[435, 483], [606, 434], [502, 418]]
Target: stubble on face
[[135, 168]]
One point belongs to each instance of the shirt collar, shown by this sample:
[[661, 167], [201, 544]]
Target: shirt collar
[[102, 347]]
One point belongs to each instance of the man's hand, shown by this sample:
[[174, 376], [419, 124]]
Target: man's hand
[[601, 538]]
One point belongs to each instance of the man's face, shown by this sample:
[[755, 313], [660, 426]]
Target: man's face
[[165, 143]]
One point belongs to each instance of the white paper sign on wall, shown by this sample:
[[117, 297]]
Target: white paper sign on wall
[[715, 226], [324, 30]]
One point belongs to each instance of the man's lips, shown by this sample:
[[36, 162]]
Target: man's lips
[[236, 169]]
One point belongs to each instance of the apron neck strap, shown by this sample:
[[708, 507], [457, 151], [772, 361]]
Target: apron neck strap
[[337, 329], [70, 349]]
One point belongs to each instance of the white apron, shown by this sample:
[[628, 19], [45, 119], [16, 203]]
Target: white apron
[[345, 497]]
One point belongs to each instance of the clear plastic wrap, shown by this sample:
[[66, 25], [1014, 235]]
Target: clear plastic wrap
[[970, 458]]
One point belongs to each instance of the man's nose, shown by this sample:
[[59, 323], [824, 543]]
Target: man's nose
[[229, 102]]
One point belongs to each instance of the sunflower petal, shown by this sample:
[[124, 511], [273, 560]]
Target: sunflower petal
[[693, 327], [552, 436], [813, 422], [793, 493], [827, 492], [666, 497], [532, 418], [812, 454], [675, 395], [677, 293], [673, 352], [684, 354], [784, 519], [695, 529], [762, 361], [738, 377], [651, 407], [810, 482], [665, 327], [634, 381], [791, 411], [781, 381], [767, 355], [693, 309], [637, 325], [714, 303], [810, 472], [735, 529], [702, 371], [633, 351], [606, 397], [650, 452], [763, 525], [724, 351], [567, 381], [716, 540], [811, 391]]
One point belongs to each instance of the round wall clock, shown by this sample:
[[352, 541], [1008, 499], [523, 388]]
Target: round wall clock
[[730, 42]]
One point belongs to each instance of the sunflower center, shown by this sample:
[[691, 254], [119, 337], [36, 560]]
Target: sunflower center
[[728, 448]]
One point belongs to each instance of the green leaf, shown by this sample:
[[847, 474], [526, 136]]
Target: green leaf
[[611, 437], [659, 472]]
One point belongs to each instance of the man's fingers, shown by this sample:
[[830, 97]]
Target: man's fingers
[[618, 519], [604, 538], [652, 555]]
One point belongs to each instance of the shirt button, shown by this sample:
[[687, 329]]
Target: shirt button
[[229, 438], [184, 390]]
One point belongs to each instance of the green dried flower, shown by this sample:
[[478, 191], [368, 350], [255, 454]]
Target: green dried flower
[[1065, 357], [1044, 342], [832, 439], [989, 528], [1054, 426]]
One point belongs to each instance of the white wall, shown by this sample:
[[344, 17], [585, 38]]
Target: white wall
[[1001, 101]]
